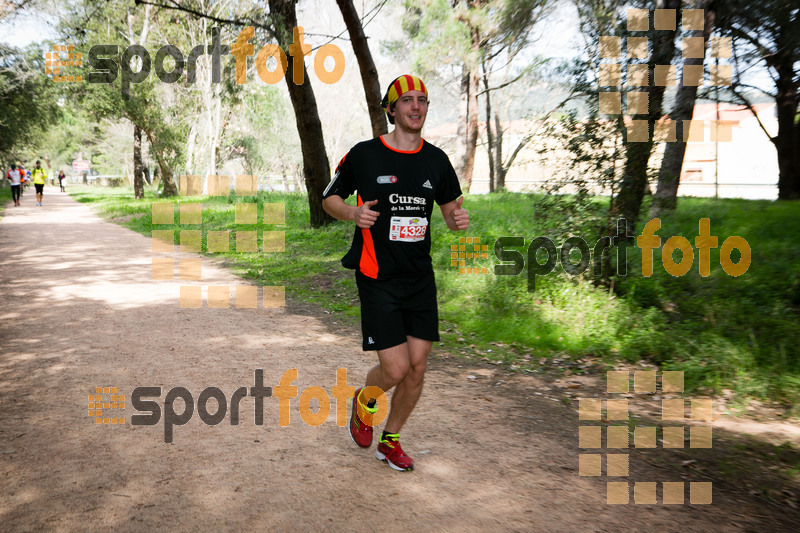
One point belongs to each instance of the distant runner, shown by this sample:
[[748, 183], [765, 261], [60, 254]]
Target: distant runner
[[397, 177], [39, 176], [15, 177]]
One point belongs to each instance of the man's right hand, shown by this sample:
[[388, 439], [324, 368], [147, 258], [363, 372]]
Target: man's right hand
[[364, 216]]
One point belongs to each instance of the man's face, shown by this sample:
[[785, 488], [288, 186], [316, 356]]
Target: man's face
[[38, 165], [410, 111]]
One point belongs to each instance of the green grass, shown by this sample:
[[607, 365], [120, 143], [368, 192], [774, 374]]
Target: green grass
[[739, 333], [5, 198]]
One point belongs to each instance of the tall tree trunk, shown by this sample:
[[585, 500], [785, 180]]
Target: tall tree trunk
[[669, 175], [138, 178], [462, 130], [498, 155], [369, 73], [467, 134], [472, 129], [316, 169], [489, 135], [169, 188], [628, 201], [786, 141]]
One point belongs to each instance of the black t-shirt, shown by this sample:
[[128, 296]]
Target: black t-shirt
[[405, 184]]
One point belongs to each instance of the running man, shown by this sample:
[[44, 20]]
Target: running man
[[15, 177], [397, 177], [39, 176]]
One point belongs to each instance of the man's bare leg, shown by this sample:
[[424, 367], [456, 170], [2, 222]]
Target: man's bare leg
[[401, 366]]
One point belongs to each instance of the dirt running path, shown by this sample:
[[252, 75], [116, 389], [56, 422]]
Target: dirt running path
[[79, 309]]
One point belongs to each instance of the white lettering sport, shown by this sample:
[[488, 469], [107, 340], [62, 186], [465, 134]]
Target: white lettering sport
[[398, 199]]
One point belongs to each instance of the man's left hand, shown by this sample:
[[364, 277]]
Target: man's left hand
[[460, 216]]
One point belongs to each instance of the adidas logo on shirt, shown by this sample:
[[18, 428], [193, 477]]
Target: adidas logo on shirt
[[427, 184]]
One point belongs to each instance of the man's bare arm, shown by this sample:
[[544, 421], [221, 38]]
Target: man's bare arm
[[455, 216], [363, 216]]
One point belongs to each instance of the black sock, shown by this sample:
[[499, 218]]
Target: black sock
[[371, 403], [385, 434]]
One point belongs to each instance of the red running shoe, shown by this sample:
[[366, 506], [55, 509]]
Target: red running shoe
[[360, 432], [389, 451]]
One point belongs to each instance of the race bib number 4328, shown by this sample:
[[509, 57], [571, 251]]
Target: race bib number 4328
[[408, 229]]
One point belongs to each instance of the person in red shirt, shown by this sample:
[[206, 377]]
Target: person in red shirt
[[397, 178]]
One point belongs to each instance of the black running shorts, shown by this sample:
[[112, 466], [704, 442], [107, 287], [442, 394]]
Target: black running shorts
[[394, 308], [39, 188]]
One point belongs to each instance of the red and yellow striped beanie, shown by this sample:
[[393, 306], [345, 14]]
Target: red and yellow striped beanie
[[400, 86]]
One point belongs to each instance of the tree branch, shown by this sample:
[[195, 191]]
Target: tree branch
[[246, 21]]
